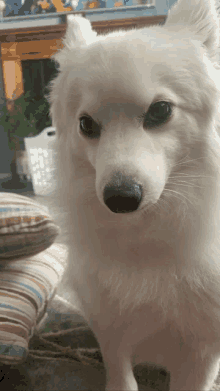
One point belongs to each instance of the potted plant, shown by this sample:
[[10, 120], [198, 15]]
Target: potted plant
[[29, 114]]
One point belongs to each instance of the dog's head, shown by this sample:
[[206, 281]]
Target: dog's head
[[129, 106]]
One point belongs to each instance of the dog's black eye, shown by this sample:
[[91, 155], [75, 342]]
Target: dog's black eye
[[89, 127], [157, 114]]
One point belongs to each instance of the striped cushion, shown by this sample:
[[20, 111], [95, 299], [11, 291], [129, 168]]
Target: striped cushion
[[26, 227], [26, 287]]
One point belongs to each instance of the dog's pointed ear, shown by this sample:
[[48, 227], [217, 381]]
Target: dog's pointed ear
[[200, 18], [78, 33]]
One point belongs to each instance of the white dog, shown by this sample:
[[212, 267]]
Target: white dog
[[136, 112]]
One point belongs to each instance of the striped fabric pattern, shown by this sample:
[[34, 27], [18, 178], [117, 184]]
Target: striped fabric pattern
[[26, 227], [26, 287]]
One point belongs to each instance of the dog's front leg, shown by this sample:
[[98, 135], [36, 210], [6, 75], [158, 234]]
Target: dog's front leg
[[119, 374], [118, 363], [195, 374]]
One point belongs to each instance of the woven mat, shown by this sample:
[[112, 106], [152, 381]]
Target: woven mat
[[77, 353]]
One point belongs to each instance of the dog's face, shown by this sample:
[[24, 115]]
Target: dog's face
[[135, 106]]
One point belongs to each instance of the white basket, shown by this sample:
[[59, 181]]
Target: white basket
[[41, 157]]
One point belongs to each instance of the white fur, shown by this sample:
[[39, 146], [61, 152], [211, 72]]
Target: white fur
[[148, 282]]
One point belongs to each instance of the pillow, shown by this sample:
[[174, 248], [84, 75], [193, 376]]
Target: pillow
[[26, 288], [26, 227]]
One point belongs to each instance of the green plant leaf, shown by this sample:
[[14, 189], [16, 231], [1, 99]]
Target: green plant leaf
[[30, 115]]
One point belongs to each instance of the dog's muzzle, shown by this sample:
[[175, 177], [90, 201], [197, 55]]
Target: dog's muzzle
[[122, 194]]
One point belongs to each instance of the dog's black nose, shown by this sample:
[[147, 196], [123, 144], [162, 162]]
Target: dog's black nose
[[122, 195]]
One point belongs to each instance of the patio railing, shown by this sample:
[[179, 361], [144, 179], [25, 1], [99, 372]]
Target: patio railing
[[46, 7]]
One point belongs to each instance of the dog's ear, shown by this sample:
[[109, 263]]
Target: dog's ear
[[199, 18], [78, 33]]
